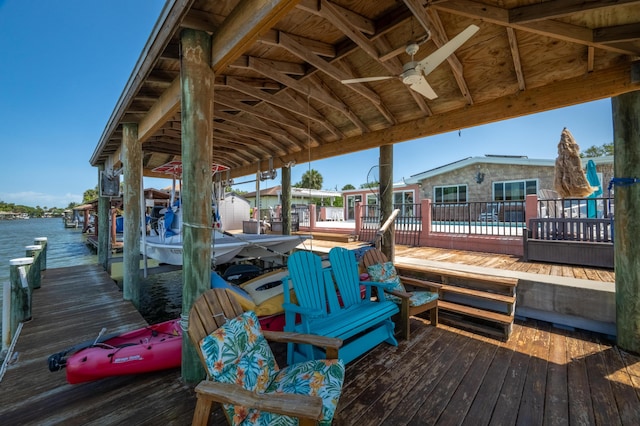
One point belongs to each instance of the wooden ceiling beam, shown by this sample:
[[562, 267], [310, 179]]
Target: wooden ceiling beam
[[272, 38], [515, 55], [234, 36], [549, 28], [361, 23], [617, 34], [229, 140], [321, 96], [331, 70], [261, 113], [559, 9], [599, 84]]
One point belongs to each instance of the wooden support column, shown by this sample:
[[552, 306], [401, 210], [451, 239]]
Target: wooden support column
[[626, 142], [286, 200], [132, 210], [196, 80], [104, 232], [386, 199]]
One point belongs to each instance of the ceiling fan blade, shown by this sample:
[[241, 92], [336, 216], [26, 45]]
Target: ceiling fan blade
[[430, 63], [422, 87], [366, 79]]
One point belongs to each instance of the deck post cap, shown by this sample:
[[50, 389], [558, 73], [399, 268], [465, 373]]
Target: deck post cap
[[33, 247], [21, 261]]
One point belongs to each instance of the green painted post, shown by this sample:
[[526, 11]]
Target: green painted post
[[626, 143], [20, 291], [42, 241], [196, 81], [35, 252]]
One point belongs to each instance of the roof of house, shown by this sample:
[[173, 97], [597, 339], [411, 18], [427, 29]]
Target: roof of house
[[497, 159]]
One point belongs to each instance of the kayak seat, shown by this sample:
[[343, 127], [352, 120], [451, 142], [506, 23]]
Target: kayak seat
[[243, 374]]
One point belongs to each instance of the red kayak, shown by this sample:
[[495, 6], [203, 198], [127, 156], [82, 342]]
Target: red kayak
[[152, 348]]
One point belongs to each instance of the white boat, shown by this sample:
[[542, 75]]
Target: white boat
[[229, 211], [169, 249]]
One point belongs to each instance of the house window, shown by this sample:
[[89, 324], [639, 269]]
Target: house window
[[450, 194], [516, 190], [403, 200]]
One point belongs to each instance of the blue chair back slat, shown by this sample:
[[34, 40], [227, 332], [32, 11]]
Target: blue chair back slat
[[345, 270], [305, 270]]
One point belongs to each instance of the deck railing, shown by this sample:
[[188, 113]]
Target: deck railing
[[408, 223], [479, 217], [597, 207]]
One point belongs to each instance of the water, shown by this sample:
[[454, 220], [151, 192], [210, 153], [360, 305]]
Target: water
[[161, 293], [65, 246]]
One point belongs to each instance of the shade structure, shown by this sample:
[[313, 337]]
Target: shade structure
[[570, 179]]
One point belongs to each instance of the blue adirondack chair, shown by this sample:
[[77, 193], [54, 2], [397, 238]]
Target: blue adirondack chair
[[331, 310]]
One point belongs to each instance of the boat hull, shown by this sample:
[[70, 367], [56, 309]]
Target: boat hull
[[153, 348], [169, 250]]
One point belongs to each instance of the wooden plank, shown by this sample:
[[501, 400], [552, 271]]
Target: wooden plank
[[475, 312], [624, 390], [376, 389], [556, 407], [468, 390], [487, 396], [604, 403], [532, 404], [580, 407], [424, 381], [477, 293], [466, 363], [506, 408]]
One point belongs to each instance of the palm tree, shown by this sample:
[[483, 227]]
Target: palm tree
[[311, 179]]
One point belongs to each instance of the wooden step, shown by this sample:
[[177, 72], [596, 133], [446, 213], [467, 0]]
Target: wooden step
[[500, 331], [478, 293], [475, 312], [468, 276]]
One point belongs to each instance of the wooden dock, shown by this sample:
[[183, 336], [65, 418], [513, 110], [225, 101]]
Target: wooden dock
[[443, 375]]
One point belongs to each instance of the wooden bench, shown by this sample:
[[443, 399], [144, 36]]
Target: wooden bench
[[478, 302], [335, 309]]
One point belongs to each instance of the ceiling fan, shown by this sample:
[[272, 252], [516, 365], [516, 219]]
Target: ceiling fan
[[414, 72]]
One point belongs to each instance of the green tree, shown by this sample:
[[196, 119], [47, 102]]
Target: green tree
[[598, 151], [373, 184], [90, 195], [311, 179], [348, 186]]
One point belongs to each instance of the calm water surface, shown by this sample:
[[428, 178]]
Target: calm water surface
[[162, 293]]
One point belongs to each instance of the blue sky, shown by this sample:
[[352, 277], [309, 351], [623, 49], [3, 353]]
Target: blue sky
[[65, 64]]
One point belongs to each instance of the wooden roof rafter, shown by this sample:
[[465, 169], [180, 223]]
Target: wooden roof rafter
[[547, 27]]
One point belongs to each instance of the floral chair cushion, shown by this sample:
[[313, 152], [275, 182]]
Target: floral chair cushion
[[238, 353], [386, 273]]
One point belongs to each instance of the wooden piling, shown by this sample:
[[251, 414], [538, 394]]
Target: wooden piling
[[626, 142], [132, 200], [20, 291], [196, 81], [35, 251], [43, 242]]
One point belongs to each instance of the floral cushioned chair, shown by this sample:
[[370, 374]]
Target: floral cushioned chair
[[245, 375], [411, 303]]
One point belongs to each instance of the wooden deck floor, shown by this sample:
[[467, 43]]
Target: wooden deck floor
[[487, 260], [443, 375]]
